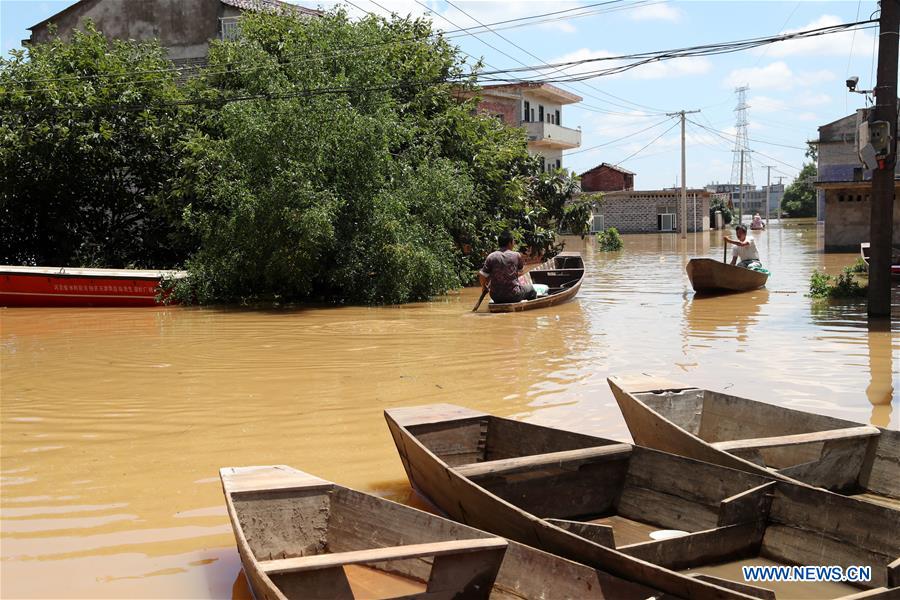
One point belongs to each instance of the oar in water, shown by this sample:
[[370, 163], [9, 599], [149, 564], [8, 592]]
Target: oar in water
[[484, 292], [725, 252]]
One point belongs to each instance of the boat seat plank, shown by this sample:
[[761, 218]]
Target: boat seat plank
[[314, 562], [626, 531], [862, 432], [523, 463], [601, 534], [744, 588], [269, 478]]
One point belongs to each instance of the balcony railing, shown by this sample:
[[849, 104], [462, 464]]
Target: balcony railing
[[554, 136]]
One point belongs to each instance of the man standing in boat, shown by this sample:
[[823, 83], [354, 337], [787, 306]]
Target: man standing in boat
[[744, 249], [502, 273]]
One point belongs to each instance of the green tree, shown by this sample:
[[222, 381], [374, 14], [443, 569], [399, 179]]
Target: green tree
[[87, 148], [384, 187], [800, 197]]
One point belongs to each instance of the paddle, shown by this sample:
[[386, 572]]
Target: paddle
[[725, 253], [484, 292]]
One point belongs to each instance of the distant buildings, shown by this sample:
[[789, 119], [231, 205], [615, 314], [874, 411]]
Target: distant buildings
[[607, 178], [183, 27], [538, 107], [754, 198], [844, 186]]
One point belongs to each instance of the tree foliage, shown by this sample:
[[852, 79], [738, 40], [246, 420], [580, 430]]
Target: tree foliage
[[799, 198], [81, 181]]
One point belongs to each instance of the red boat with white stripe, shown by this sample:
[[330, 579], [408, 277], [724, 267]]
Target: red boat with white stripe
[[61, 286]]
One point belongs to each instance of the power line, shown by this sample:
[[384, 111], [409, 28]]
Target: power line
[[648, 144], [624, 137]]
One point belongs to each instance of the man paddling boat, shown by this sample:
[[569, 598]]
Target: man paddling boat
[[503, 270], [744, 249]]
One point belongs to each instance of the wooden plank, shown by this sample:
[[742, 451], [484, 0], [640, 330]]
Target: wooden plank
[[320, 584], [682, 407], [710, 546], [457, 442], [634, 383], [467, 575], [879, 472], [601, 534], [750, 590], [323, 561], [746, 507], [879, 593], [837, 468], [803, 547], [893, 573], [527, 463], [269, 477], [665, 510], [512, 439], [409, 416], [626, 531], [686, 478], [858, 524], [861, 433]]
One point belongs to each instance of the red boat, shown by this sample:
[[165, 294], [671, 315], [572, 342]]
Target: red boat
[[60, 286]]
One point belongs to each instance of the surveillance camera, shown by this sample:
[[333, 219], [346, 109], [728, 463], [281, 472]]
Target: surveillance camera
[[851, 83]]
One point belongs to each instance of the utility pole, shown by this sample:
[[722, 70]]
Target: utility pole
[[741, 192], [768, 191], [780, 179], [683, 217], [882, 207]]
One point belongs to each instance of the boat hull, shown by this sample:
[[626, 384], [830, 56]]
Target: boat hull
[[841, 456], [562, 273], [50, 287], [711, 276]]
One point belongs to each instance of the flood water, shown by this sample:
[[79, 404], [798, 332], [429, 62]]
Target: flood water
[[115, 422]]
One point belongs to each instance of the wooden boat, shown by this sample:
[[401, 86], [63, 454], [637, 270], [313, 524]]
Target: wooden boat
[[614, 506], [60, 286], [563, 274], [846, 457], [303, 537], [711, 276], [864, 250]]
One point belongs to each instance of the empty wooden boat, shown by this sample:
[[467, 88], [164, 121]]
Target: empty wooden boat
[[711, 276], [303, 537], [563, 274], [864, 250], [756, 437], [607, 504]]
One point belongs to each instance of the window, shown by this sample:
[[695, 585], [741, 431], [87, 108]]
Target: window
[[597, 223], [531, 118], [527, 111], [558, 163], [666, 222], [230, 28], [543, 164], [558, 121], [540, 113]]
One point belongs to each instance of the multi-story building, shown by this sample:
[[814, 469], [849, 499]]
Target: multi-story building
[[844, 186], [538, 108], [183, 27]]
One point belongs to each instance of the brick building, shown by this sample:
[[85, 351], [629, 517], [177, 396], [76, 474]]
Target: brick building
[[183, 27], [607, 178], [537, 107], [651, 211]]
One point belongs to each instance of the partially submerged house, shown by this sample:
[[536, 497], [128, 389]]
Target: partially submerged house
[[651, 211], [183, 27], [844, 186]]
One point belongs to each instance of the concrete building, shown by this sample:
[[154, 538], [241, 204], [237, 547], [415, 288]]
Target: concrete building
[[844, 186], [538, 107], [607, 178], [183, 27], [651, 211]]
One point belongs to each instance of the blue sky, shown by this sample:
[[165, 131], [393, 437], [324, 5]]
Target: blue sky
[[794, 86]]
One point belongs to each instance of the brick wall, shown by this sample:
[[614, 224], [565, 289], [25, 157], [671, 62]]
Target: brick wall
[[604, 179], [638, 214], [508, 107]]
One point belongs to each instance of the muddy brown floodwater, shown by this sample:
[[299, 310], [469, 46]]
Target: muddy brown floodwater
[[115, 422]]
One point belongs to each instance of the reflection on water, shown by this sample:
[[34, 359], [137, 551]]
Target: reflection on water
[[115, 422]]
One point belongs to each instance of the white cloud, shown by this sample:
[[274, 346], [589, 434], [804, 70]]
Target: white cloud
[[776, 76], [836, 44], [680, 67], [656, 12]]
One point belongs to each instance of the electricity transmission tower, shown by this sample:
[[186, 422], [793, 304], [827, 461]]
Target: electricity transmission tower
[[742, 167]]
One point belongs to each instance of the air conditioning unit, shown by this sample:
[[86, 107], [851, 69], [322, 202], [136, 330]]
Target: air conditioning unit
[[598, 224], [666, 221]]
